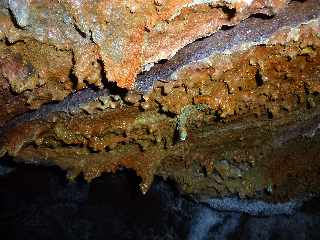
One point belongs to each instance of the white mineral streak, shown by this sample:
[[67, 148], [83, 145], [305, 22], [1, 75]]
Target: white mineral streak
[[147, 67], [254, 208], [222, 216]]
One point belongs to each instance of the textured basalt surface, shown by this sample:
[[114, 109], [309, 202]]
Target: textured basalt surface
[[121, 37], [236, 112]]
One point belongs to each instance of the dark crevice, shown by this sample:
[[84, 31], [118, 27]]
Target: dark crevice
[[104, 79], [176, 137], [81, 33], [115, 90], [269, 114], [13, 19], [226, 27], [230, 12], [91, 37], [111, 86], [8, 43], [227, 87], [259, 79], [262, 16], [162, 61], [73, 79]]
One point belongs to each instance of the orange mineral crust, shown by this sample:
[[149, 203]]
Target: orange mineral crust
[[124, 37], [32, 74], [224, 124]]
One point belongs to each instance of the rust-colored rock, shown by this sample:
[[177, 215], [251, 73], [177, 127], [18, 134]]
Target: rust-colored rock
[[127, 36], [32, 74], [220, 117]]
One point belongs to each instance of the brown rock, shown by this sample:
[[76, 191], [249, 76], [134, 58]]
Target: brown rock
[[229, 114]]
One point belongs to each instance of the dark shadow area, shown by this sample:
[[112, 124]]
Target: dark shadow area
[[262, 16], [110, 85], [230, 12], [40, 203]]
